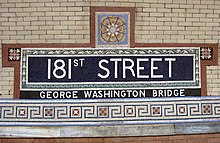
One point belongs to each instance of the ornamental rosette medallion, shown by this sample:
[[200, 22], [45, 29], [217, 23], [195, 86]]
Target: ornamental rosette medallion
[[112, 29]]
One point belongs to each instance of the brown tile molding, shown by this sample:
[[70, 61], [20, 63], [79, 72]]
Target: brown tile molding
[[16, 64]]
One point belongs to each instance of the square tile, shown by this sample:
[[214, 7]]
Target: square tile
[[129, 111], [103, 111], [206, 109], [182, 110], [156, 110], [112, 29], [76, 112], [206, 53], [14, 54], [22, 112], [49, 112]]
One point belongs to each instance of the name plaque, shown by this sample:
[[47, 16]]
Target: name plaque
[[109, 73]]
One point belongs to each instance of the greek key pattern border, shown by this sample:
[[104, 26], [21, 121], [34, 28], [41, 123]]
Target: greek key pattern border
[[109, 112], [97, 52]]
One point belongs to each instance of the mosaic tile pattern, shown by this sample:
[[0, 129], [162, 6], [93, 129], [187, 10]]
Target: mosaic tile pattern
[[14, 54], [112, 29], [109, 112], [206, 53]]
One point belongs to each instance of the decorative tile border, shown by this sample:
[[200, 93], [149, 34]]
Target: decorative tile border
[[109, 112]]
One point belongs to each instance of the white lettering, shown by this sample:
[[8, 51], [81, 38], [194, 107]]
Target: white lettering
[[129, 67], [49, 94], [182, 92], [42, 94], [154, 93], [68, 94], [153, 68], [55, 94], [170, 60], [88, 93], [168, 92], [135, 93], [58, 94], [74, 94], [81, 62], [69, 68], [62, 94], [139, 68], [116, 66], [61, 68], [104, 68], [49, 69]]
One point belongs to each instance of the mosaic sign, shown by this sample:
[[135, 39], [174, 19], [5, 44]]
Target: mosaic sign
[[109, 73]]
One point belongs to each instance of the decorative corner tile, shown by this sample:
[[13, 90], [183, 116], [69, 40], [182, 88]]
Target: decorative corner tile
[[14, 54], [112, 29], [206, 53]]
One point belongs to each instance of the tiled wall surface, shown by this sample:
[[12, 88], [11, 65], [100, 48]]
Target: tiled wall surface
[[67, 21]]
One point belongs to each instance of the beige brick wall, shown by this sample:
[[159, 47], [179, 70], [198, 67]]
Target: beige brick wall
[[67, 21]]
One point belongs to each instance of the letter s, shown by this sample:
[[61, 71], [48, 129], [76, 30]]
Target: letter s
[[103, 68]]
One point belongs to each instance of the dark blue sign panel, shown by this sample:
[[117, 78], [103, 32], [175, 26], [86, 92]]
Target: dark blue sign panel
[[110, 69], [109, 73]]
